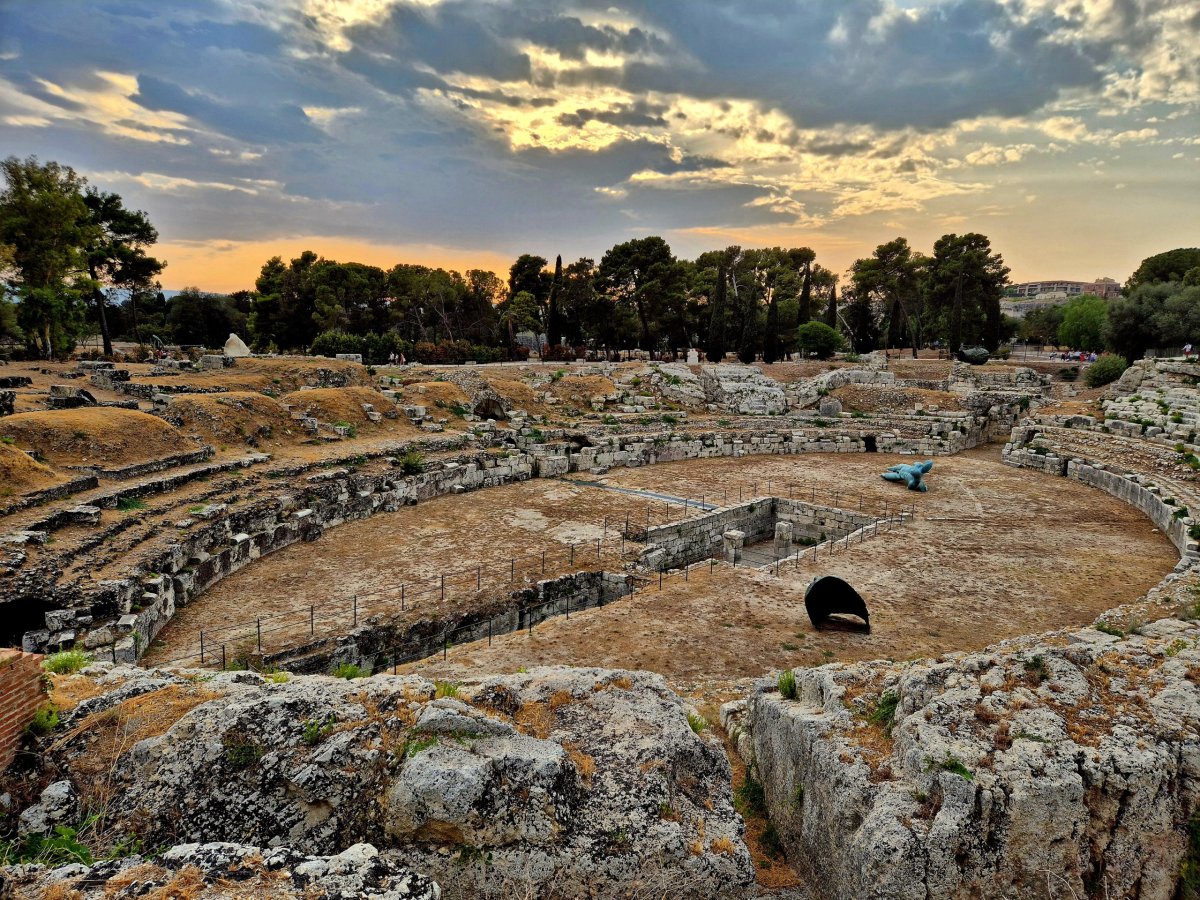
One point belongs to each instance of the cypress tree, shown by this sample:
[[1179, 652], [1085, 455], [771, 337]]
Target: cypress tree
[[553, 319], [771, 338], [714, 347], [749, 341], [806, 295], [831, 309]]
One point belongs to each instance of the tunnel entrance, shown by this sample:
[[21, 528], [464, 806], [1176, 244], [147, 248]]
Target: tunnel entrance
[[869, 443]]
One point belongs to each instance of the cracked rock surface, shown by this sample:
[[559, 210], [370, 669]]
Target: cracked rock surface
[[1065, 764], [558, 782]]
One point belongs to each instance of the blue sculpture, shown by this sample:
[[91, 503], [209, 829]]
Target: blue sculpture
[[910, 475]]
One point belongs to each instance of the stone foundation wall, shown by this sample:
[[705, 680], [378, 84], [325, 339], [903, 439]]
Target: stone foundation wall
[[133, 610], [377, 644]]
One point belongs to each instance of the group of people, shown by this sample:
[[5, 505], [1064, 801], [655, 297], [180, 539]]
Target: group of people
[[1075, 356]]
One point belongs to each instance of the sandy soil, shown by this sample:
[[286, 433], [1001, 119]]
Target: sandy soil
[[994, 553]]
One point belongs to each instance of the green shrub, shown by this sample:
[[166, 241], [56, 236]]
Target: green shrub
[[44, 721], [819, 339], [66, 662], [697, 722], [128, 504], [750, 795], [1107, 368], [446, 688], [787, 684], [412, 462], [349, 671]]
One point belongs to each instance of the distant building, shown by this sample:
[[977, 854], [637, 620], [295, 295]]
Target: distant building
[[1053, 290]]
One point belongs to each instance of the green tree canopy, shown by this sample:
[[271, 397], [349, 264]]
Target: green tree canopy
[[965, 282], [643, 276], [44, 219], [1083, 322], [1172, 265], [819, 339]]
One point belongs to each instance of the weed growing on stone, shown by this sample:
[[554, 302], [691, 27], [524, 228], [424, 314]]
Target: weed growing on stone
[[1110, 629], [883, 712], [66, 662], [798, 795], [417, 743], [348, 671], [787, 684], [1036, 669], [447, 688], [697, 722], [44, 720], [315, 731], [412, 463], [950, 764], [749, 796], [241, 751], [128, 504]]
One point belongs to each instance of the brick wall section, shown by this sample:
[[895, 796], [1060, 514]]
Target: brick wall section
[[21, 693]]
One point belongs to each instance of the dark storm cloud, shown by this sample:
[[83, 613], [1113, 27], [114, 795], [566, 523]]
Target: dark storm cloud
[[634, 115]]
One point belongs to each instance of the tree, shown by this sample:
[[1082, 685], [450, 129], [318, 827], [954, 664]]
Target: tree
[[715, 349], [1083, 321], [203, 319], [749, 340], [963, 288], [1134, 320], [892, 278], [44, 219], [644, 276], [116, 256], [529, 274], [831, 310], [282, 313], [771, 336], [352, 297], [519, 313], [554, 327], [1172, 265], [862, 322], [1041, 325], [819, 339]]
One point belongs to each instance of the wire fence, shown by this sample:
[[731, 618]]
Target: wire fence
[[293, 629]]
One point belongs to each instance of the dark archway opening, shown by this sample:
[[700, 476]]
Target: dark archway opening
[[869, 443], [490, 408], [829, 599]]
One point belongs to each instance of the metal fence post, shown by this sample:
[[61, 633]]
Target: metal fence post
[[572, 546], [478, 577], [201, 646], [258, 622], [223, 664], [402, 598], [543, 562]]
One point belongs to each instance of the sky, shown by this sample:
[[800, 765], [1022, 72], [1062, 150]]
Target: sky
[[462, 133]]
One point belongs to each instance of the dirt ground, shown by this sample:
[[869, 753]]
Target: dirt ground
[[474, 537], [994, 553]]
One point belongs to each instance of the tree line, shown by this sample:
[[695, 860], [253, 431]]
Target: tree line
[[75, 261]]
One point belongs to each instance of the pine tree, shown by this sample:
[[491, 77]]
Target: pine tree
[[553, 318], [831, 309], [714, 347]]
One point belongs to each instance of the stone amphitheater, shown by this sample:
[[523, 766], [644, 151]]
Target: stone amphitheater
[[320, 630]]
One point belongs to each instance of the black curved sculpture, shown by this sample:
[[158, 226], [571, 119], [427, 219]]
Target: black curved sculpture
[[828, 598]]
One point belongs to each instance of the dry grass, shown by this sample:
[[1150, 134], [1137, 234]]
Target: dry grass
[[237, 417], [345, 405], [110, 733], [433, 393], [535, 718], [20, 473], [95, 436], [71, 690], [585, 765]]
